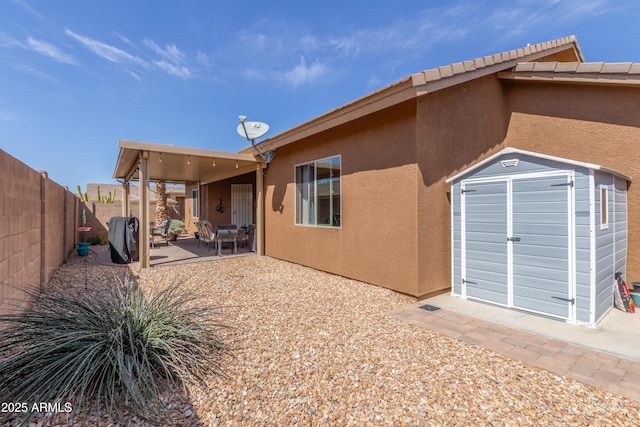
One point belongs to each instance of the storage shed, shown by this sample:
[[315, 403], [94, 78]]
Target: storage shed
[[539, 233]]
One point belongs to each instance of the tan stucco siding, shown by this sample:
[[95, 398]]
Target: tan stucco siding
[[377, 242], [456, 127], [598, 125]]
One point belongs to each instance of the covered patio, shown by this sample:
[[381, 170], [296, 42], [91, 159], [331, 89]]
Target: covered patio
[[186, 249], [146, 162]]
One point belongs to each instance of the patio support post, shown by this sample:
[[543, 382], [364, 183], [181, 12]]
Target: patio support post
[[126, 201], [260, 210], [144, 210]]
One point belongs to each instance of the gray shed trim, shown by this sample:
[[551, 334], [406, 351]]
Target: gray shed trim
[[511, 150]]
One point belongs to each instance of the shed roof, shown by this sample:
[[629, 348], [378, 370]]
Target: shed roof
[[511, 150]]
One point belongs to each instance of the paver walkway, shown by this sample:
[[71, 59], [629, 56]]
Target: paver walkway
[[608, 372]]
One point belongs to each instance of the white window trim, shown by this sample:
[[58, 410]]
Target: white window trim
[[195, 203], [604, 216], [315, 191]]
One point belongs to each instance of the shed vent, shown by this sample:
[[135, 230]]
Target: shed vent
[[509, 163]]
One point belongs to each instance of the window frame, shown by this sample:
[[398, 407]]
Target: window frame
[[333, 212], [604, 206], [195, 203]]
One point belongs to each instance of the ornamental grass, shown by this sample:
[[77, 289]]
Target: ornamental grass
[[117, 350]]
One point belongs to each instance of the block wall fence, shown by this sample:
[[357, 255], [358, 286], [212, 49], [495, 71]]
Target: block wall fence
[[38, 230]]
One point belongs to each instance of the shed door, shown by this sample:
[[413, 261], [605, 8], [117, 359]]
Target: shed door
[[541, 270], [485, 250], [516, 243]]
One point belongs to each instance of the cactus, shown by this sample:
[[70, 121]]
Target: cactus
[[110, 198], [83, 197]]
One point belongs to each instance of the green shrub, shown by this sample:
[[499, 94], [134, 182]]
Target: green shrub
[[117, 349], [100, 239], [176, 226]]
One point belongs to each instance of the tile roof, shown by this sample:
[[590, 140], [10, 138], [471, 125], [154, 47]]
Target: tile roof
[[449, 75], [618, 73], [580, 67]]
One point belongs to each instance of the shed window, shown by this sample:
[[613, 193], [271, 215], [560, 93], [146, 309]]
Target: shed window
[[604, 207], [318, 192]]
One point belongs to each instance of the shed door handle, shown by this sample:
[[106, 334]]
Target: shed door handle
[[513, 239]]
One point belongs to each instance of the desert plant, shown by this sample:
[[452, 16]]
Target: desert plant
[[106, 199], [176, 226], [119, 348], [84, 197]]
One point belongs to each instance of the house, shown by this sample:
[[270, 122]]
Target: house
[[362, 191]]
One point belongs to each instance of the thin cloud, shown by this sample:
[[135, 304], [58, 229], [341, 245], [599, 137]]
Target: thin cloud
[[108, 52], [171, 59], [47, 49], [28, 8], [124, 39], [402, 35], [203, 59], [6, 40], [302, 74], [171, 52], [175, 70], [552, 13], [37, 73], [133, 74], [8, 116]]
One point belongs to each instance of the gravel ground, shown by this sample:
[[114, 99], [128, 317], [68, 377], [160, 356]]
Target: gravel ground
[[314, 349]]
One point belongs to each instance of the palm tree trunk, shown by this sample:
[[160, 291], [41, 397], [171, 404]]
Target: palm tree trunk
[[162, 212]]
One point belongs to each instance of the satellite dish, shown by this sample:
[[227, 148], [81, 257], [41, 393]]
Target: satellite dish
[[252, 130]]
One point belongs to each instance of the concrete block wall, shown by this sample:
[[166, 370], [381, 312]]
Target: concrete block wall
[[38, 224]]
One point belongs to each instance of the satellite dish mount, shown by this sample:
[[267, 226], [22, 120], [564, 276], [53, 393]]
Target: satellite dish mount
[[253, 130]]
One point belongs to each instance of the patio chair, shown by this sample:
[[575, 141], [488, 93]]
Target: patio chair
[[162, 230], [207, 235]]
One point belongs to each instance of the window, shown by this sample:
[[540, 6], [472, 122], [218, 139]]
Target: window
[[604, 207], [194, 203], [318, 193]]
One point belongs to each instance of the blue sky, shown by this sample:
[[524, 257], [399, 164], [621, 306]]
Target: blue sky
[[76, 75]]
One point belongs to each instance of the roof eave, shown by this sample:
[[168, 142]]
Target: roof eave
[[388, 96]]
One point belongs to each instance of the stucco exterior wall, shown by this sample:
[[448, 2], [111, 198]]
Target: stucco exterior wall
[[455, 128], [220, 192], [210, 196], [592, 124], [377, 240]]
